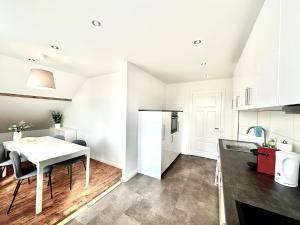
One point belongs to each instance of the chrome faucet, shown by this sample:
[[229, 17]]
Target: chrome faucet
[[265, 134]]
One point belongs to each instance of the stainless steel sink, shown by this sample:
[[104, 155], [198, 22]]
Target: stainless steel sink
[[239, 146]]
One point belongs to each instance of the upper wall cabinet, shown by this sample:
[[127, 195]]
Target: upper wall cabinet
[[256, 74], [289, 78]]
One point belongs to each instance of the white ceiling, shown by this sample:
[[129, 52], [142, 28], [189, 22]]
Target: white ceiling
[[14, 74], [157, 35]]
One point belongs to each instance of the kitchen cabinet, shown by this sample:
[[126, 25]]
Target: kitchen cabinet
[[157, 146], [256, 74], [289, 78], [219, 183], [222, 217], [171, 143], [70, 134], [267, 73]]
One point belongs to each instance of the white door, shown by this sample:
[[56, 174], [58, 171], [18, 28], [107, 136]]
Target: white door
[[205, 124]]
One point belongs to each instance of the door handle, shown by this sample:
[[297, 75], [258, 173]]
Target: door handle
[[218, 129], [248, 96], [237, 98]]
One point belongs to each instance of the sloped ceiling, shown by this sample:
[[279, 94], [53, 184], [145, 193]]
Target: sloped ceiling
[[13, 78], [34, 111], [158, 36]]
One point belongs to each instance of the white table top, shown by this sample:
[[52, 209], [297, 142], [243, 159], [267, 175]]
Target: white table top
[[45, 149]]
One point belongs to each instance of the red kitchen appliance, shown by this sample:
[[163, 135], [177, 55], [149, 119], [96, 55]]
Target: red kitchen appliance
[[266, 160]]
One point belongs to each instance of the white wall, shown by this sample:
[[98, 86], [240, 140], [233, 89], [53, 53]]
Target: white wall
[[278, 124], [143, 92], [13, 79], [30, 133], [179, 97], [98, 112]]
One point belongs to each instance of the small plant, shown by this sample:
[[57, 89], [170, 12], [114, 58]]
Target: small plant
[[21, 126], [56, 116]]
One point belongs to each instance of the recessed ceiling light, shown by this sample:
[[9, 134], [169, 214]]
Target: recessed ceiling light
[[31, 60], [55, 47], [96, 23], [197, 42]]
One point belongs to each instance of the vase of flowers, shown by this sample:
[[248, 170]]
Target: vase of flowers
[[17, 129], [57, 118]]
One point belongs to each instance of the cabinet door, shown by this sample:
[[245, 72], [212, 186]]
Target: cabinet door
[[167, 142], [257, 68], [289, 79], [222, 216], [69, 133], [171, 142], [178, 137], [237, 93], [167, 138]]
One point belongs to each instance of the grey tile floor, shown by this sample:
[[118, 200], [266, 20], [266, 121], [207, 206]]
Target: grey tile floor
[[185, 195]]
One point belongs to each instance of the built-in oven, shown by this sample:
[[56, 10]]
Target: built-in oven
[[174, 122]]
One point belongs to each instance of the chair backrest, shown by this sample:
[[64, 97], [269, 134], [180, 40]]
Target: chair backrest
[[16, 162], [61, 137], [79, 142], [2, 153]]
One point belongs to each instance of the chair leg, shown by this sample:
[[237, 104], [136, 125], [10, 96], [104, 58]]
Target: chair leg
[[17, 187], [50, 183], [1, 171], [71, 177], [83, 164], [15, 194], [68, 170], [28, 180]]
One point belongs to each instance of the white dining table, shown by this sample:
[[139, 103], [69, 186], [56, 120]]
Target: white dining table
[[46, 151]]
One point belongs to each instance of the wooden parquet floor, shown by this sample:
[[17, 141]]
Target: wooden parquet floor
[[64, 202]]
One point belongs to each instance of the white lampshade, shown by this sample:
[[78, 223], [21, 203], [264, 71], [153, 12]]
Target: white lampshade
[[41, 79]]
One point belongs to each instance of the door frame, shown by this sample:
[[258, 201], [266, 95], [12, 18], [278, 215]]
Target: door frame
[[190, 115]]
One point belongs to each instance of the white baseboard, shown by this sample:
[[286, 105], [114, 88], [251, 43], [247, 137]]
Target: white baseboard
[[127, 177], [111, 163], [209, 155]]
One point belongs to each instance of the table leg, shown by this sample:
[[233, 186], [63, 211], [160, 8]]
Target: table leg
[[87, 175], [39, 189], [4, 172]]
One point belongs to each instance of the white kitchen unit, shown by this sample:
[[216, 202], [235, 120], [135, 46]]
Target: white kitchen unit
[[267, 73], [159, 141], [256, 74], [222, 215], [289, 78], [219, 183], [70, 134]]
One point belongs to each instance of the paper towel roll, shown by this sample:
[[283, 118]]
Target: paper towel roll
[[284, 146]]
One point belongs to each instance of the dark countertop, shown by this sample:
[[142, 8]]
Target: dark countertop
[[247, 186]]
